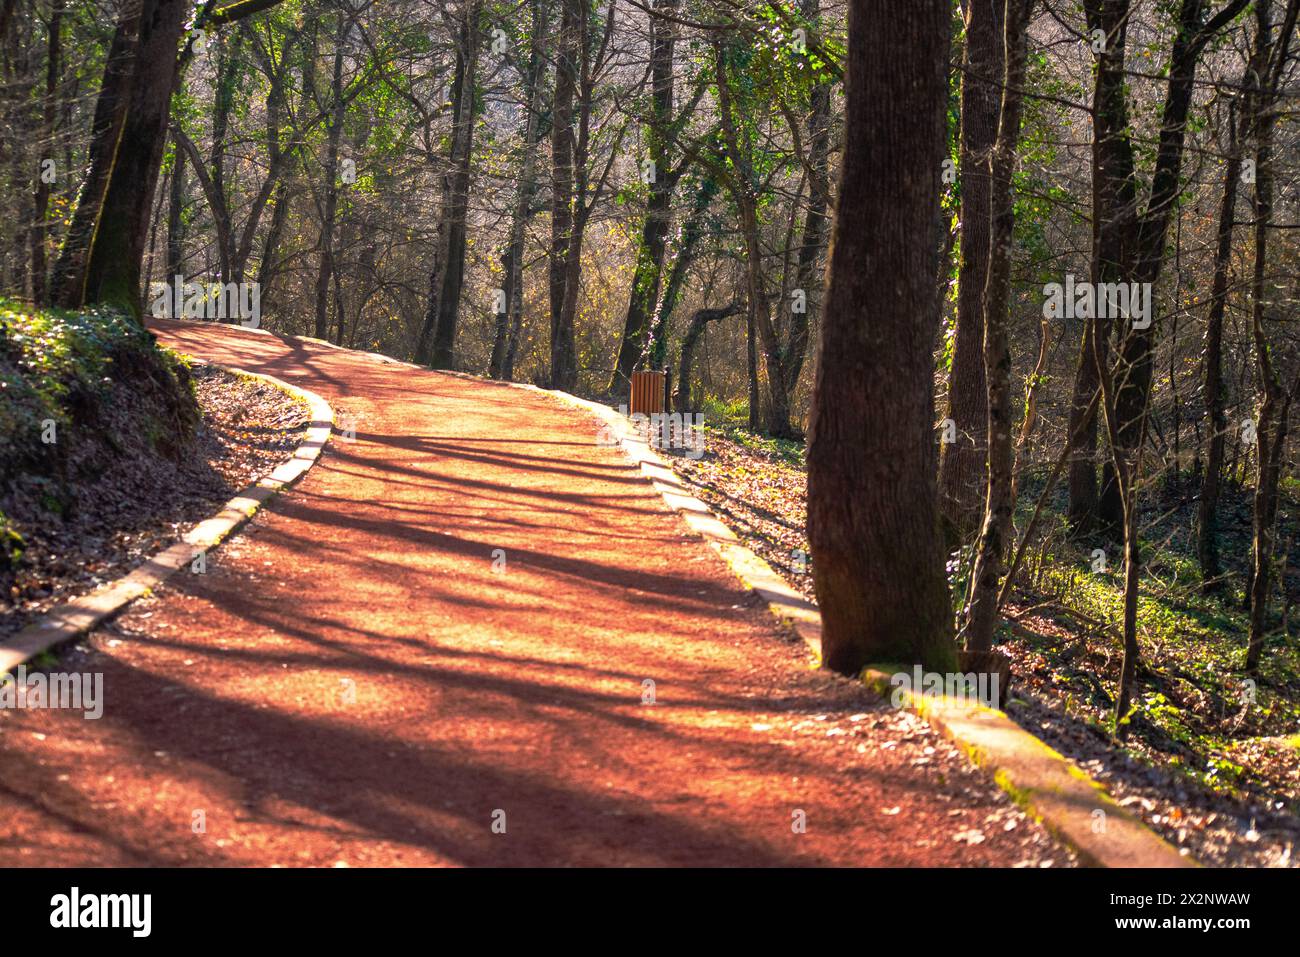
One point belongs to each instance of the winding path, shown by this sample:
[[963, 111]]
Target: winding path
[[359, 680]]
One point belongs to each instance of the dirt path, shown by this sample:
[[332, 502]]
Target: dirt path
[[357, 679]]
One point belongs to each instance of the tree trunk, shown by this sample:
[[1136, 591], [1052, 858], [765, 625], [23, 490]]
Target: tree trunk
[[813, 238], [563, 347], [41, 226], [509, 320], [1275, 402], [266, 266], [69, 282], [116, 256], [683, 401], [961, 462], [873, 515], [1207, 538], [330, 204], [1037, 378], [6, 14], [648, 271], [512, 285], [1082, 474], [1114, 218], [222, 102], [24, 126], [1125, 470], [742, 184], [445, 302], [692, 230], [175, 223], [982, 616]]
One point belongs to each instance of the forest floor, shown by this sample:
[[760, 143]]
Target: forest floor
[[1210, 762], [138, 503], [473, 635]]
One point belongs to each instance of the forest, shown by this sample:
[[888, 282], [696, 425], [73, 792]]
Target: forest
[[989, 309]]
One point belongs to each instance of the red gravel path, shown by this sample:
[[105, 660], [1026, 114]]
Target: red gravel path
[[353, 682]]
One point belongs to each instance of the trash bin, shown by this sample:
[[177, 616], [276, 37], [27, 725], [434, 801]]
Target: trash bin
[[647, 393]]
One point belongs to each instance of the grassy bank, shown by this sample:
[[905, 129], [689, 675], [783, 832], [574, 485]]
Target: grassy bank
[[79, 391]]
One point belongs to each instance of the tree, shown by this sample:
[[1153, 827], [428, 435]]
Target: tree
[[743, 182], [813, 236], [1128, 246], [981, 618], [873, 516], [661, 178], [683, 400], [69, 283], [1275, 397], [234, 247], [684, 256], [505, 341], [328, 196], [581, 59], [438, 337], [1129, 237], [961, 472], [113, 269], [1207, 539], [49, 116], [103, 253]]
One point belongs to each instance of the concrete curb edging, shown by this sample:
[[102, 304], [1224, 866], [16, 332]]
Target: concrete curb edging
[[1046, 785], [73, 618]]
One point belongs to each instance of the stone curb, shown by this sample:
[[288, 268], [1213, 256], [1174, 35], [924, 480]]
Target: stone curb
[[77, 616], [1046, 784]]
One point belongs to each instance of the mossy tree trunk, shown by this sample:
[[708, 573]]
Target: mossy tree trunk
[[117, 250], [1275, 398], [68, 286], [961, 462], [104, 249], [648, 272]]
